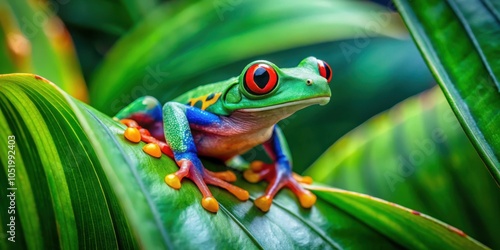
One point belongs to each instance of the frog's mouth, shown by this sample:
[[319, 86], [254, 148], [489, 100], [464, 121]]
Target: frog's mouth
[[323, 100]]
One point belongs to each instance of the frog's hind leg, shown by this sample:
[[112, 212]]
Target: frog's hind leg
[[279, 174], [145, 112], [177, 120]]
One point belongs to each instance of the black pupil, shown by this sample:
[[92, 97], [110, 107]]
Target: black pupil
[[261, 77]]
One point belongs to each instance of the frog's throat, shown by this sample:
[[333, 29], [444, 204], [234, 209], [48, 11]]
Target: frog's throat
[[301, 104]]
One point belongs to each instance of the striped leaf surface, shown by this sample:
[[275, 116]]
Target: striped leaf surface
[[82, 184]]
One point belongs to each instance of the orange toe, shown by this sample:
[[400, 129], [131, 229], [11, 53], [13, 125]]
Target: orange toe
[[173, 181], [226, 175], [264, 203], [230, 176], [307, 199], [307, 180], [210, 204], [251, 176], [257, 165], [241, 194], [152, 149], [302, 179], [132, 134]]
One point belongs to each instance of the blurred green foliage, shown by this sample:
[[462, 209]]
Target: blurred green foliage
[[109, 47], [34, 40]]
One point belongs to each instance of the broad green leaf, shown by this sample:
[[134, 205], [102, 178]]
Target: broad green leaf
[[63, 197], [36, 41], [178, 41], [418, 156], [83, 183], [403, 225], [461, 42]]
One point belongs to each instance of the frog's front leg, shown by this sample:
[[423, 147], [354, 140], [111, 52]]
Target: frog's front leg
[[279, 174], [177, 118]]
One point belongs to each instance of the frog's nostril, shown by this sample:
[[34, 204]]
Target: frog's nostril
[[309, 82]]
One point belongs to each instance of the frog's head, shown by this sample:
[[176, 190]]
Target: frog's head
[[262, 86]]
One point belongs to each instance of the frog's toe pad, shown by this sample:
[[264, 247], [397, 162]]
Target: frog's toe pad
[[307, 199], [257, 166], [303, 179], [241, 194], [228, 175], [264, 202], [132, 134], [152, 149], [173, 181], [251, 176], [307, 180], [210, 204]]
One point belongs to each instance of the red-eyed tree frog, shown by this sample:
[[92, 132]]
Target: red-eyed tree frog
[[226, 119]]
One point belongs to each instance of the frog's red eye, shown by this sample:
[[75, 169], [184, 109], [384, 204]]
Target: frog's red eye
[[325, 70], [260, 79]]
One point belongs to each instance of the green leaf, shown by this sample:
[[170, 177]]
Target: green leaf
[[82, 183], [403, 225], [178, 42], [417, 155], [63, 197], [461, 42], [36, 41]]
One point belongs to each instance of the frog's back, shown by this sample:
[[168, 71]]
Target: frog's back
[[205, 96]]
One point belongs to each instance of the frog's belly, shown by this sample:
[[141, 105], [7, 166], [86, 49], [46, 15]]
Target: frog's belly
[[226, 146]]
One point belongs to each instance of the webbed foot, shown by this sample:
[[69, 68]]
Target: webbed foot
[[278, 175], [136, 133], [193, 170]]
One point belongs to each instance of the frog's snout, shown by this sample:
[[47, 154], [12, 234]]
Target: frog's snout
[[317, 86], [310, 82]]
